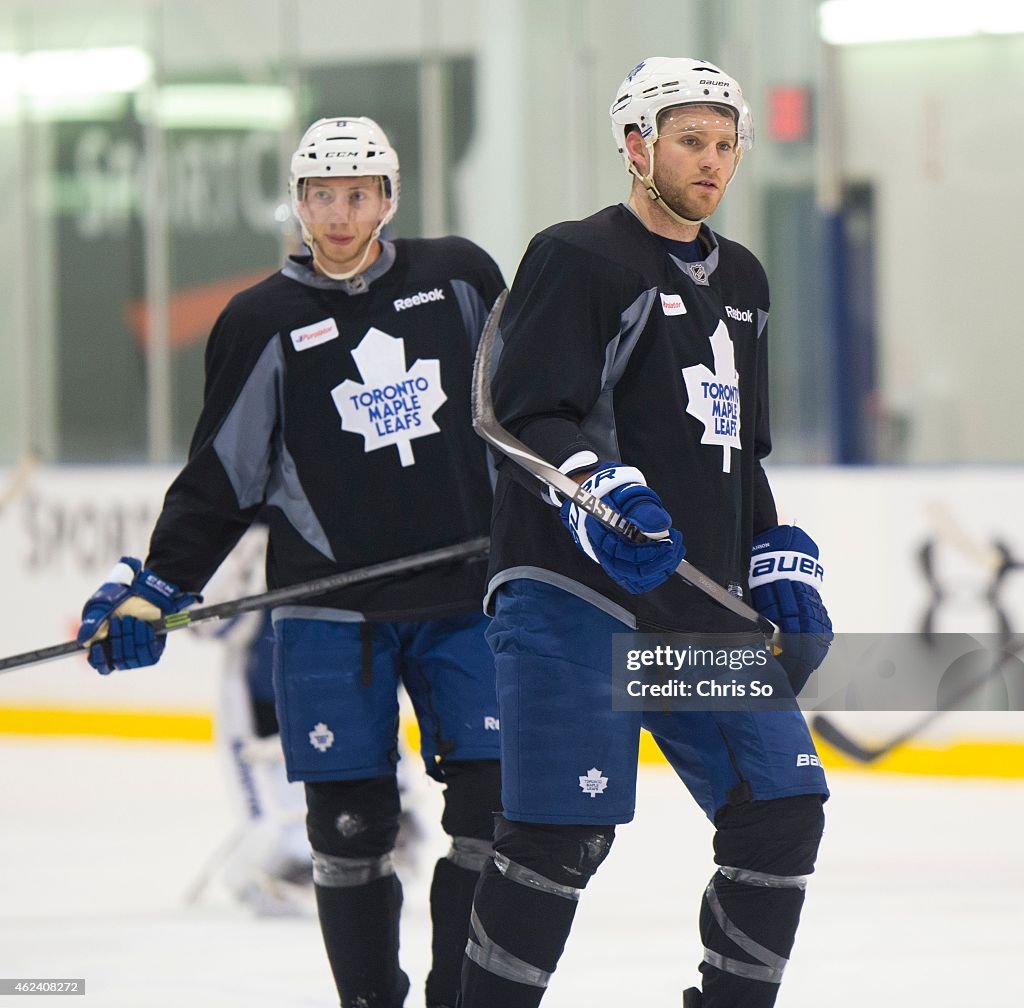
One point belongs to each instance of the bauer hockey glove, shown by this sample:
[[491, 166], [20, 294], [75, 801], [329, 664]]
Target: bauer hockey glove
[[115, 620], [638, 567], [785, 576]]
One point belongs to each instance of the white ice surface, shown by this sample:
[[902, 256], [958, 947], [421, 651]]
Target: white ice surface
[[918, 898]]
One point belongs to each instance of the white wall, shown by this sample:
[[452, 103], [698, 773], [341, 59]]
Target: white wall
[[936, 127]]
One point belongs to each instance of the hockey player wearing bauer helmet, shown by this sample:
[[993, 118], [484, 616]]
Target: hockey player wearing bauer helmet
[[698, 111], [635, 302], [344, 186]]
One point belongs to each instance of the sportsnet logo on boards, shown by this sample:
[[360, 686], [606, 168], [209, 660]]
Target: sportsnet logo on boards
[[420, 298], [672, 304]]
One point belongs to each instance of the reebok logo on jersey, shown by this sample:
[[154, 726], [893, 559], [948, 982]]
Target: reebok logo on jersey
[[423, 297], [491, 724], [672, 304], [739, 316], [315, 334], [807, 759]]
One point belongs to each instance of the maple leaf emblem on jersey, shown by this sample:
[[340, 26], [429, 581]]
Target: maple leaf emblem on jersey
[[714, 396], [392, 405]]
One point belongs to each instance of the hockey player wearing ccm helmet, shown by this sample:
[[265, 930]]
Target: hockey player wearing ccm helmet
[[337, 409]]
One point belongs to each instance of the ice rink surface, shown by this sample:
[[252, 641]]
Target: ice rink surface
[[918, 899]]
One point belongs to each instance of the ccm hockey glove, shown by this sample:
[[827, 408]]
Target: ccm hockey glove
[[638, 567], [115, 620], [785, 575]]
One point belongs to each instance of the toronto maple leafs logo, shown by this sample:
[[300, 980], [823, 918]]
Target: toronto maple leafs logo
[[321, 737], [714, 397], [392, 406], [593, 784]]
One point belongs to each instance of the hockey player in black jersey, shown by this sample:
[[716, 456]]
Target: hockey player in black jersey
[[337, 408], [658, 406]]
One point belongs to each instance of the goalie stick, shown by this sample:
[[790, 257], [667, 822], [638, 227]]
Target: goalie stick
[[223, 610], [839, 740], [486, 424]]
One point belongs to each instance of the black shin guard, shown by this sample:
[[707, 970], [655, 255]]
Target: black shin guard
[[523, 910], [472, 796], [360, 930], [352, 827], [451, 900], [751, 907]]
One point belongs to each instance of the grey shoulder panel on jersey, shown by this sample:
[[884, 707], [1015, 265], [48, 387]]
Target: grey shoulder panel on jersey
[[599, 425], [244, 445], [472, 307]]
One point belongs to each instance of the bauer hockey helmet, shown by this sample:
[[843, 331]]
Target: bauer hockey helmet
[[345, 147], [662, 82]]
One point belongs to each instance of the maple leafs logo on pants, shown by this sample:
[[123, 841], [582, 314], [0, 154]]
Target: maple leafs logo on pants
[[392, 406]]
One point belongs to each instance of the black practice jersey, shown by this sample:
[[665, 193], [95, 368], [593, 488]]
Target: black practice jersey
[[339, 412], [612, 345]]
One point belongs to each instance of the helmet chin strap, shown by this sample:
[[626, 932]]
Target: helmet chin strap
[[655, 193], [314, 248]]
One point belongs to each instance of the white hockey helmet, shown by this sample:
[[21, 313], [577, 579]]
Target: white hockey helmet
[[662, 82], [345, 147]]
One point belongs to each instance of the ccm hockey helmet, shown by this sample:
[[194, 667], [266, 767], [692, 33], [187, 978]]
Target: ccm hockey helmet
[[345, 147], [662, 82]]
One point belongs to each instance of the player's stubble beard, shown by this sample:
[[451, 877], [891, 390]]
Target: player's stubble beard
[[682, 201]]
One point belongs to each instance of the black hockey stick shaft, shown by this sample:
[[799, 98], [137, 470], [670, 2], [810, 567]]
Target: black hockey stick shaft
[[848, 746], [486, 424], [279, 596]]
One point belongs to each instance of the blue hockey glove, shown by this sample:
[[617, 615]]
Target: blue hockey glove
[[638, 567], [115, 620], [785, 578]]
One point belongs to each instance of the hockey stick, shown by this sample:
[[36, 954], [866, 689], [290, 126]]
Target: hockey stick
[[486, 424], [187, 618], [843, 743]]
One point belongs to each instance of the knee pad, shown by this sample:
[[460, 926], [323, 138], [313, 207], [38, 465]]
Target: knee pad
[[775, 837], [472, 798], [566, 855], [353, 819]]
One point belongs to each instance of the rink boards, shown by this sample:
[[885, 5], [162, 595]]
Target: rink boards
[[61, 528]]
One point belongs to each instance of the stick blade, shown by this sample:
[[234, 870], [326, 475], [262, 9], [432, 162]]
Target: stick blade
[[841, 742], [480, 393]]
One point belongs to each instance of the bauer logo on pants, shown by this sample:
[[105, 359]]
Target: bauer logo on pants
[[593, 784]]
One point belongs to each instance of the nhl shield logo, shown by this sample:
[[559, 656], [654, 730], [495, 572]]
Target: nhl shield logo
[[699, 273], [321, 737]]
